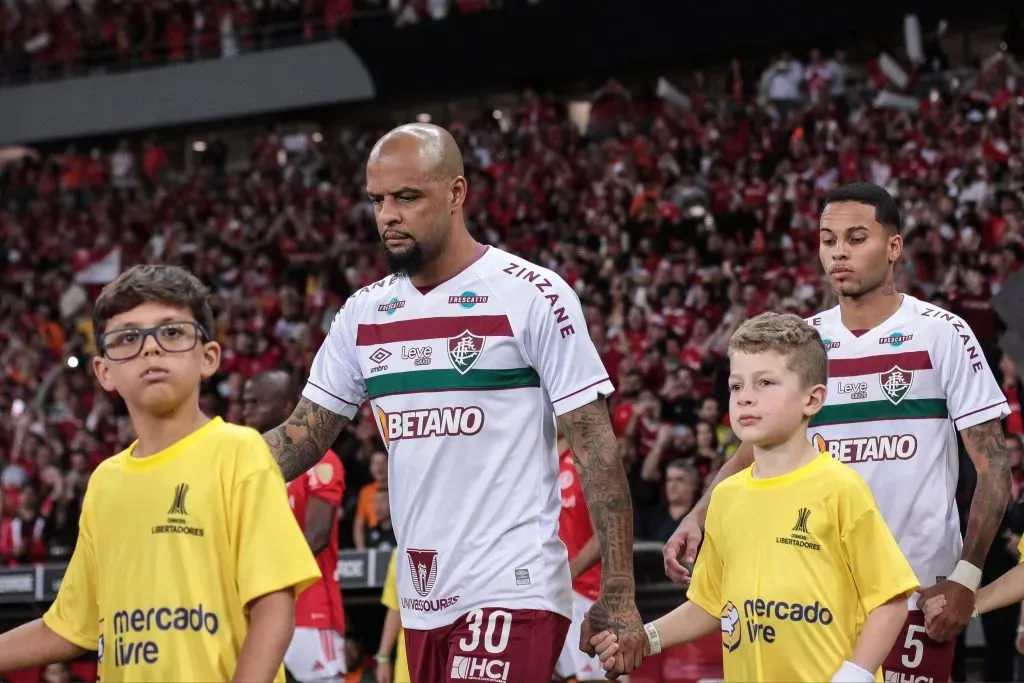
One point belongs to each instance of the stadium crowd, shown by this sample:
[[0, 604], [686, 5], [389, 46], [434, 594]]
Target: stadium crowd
[[56, 38], [673, 218]]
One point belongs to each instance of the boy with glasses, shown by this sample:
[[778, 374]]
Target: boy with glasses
[[188, 559]]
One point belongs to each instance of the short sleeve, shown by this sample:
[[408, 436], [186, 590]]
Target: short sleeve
[[880, 570], [706, 585], [1020, 551], [335, 380], [326, 480], [271, 554], [74, 615], [972, 394], [558, 343], [389, 596]]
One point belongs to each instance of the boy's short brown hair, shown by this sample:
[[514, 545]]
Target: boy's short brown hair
[[138, 285], [788, 335]]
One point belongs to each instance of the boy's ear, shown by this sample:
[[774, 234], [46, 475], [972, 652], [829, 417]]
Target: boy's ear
[[815, 400], [102, 372], [211, 360]]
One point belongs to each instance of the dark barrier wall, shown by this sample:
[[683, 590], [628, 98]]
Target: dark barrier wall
[[558, 39], [289, 78]]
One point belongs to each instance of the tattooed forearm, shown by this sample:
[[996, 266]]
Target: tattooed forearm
[[596, 454], [304, 438], [987, 447]]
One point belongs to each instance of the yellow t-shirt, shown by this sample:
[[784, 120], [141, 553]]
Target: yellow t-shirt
[[171, 548], [389, 598], [792, 565]]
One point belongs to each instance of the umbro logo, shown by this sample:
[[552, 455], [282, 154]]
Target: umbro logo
[[178, 506], [380, 355]]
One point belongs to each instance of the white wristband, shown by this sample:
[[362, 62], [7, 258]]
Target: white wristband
[[967, 575], [653, 638], [851, 673]]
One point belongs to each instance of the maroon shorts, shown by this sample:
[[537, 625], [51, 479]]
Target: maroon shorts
[[493, 645], [916, 658]]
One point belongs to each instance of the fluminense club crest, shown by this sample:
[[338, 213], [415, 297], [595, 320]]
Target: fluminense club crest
[[423, 566], [465, 350], [896, 383]]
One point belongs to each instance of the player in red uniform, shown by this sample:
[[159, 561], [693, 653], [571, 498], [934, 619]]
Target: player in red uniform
[[317, 650], [576, 530]]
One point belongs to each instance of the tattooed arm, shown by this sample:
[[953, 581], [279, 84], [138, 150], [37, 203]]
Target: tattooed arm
[[987, 447], [595, 451], [304, 438]]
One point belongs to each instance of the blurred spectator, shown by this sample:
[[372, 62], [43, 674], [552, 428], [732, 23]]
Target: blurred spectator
[[355, 661], [64, 38], [381, 536], [367, 508], [681, 492]]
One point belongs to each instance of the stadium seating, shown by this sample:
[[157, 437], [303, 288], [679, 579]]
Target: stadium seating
[[674, 219]]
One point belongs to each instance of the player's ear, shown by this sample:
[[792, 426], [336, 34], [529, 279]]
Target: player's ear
[[211, 360], [457, 193], [814, 400], [895, 247], [102, 372]]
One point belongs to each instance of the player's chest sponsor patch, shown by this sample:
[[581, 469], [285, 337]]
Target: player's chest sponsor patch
[[878, 448], [425, 423]]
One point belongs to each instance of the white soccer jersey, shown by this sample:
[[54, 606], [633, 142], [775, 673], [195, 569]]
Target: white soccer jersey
[[463, 379], [897, 395]]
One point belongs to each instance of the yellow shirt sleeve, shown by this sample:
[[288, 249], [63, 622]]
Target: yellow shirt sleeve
[[389, 596], [879, 568], [74, 615], [1020, 551], [706, 585], [271, 553]]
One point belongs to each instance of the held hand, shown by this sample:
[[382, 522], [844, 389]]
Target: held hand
[[932, 607], [606, 645], [681, 550], [616, 613], [955, 615]]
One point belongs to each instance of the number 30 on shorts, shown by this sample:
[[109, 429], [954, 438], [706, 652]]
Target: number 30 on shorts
[[495, 635]]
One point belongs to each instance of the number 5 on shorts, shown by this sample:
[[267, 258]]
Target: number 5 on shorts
[[475, 620], [913, 646]]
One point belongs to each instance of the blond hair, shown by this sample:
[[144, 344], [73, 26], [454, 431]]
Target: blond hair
[[789, 336]]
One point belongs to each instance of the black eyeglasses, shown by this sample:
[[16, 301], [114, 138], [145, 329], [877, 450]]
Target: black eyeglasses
[[176, 337]]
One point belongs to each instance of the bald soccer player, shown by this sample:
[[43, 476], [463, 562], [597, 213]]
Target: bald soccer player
[[464, 353], [317, 648]]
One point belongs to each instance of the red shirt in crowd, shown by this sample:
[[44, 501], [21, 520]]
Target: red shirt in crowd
[[319, 606], [646, 429], [1014, 422], [575, 527]]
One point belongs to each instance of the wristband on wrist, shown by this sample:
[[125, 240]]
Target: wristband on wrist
[[382, 658], [852, 673], [653, 638], [967, 575]]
